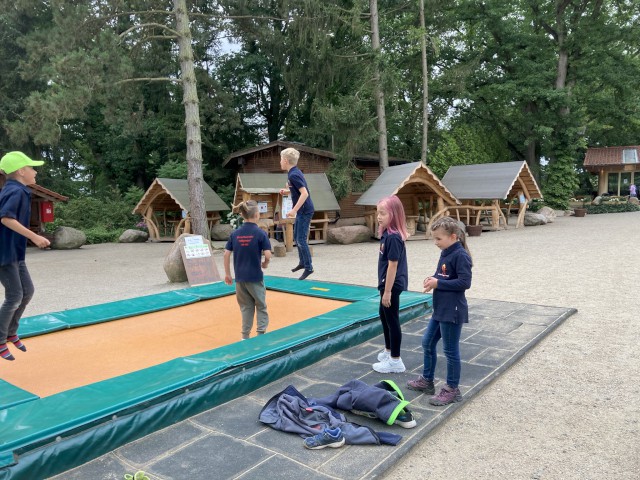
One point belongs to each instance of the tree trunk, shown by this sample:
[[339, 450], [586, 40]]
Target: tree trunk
[[382, 119], [425, 87], [192, 123]]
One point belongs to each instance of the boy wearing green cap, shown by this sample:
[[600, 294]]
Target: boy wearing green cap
[[15, 214]]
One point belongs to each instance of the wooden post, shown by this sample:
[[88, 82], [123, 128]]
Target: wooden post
[[288, 234]]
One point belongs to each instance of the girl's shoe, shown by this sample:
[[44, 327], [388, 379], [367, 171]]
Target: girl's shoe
[[445, 397], [389, 365], [421, 384], [384, 355]]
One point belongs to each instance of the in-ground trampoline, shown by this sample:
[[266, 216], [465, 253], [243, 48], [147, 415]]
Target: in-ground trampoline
[[97, 377]]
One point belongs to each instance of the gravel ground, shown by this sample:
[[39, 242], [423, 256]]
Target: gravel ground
[[570, 409]]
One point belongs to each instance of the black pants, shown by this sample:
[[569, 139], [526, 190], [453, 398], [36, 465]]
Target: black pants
[[390, 318]]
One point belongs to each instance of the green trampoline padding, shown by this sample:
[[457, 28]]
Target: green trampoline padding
[[34, 424]]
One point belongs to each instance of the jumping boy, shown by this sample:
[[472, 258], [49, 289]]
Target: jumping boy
[[15, 214]]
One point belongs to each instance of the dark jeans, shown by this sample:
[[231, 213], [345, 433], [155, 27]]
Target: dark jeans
[[18, 292], [300, 234], [450, 334], [390, 317]]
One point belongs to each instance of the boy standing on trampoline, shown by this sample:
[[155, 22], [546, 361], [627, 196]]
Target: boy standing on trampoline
[[248, 244], [15, 215]]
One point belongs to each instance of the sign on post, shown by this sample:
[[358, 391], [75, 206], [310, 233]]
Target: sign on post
[[198, 262]]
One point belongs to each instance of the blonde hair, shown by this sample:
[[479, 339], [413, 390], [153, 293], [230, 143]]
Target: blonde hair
[[291, 155], [248, 209], [452, 227]]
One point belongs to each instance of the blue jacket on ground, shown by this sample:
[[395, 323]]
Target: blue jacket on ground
[[454, 277]]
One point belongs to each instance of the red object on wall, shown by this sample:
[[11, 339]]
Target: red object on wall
[[46, 212]]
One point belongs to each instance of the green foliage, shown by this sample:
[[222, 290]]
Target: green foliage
[[345, 178], [140, 475], [173, 169], [612, 208], [226, 193], [561, 180], [100, 234]]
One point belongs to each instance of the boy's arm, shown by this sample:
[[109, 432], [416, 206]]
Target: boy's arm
[[227, 267], [17, 227], [267, 258], [304, 194]]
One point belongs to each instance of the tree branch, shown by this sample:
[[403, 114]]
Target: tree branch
[[143, 25], [149, 79]]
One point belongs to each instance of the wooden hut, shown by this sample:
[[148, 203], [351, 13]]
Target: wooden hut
[[420, 190], [42, 205], [489, 191], [266, 159], [165, 208], [265, 189], [617, 168]]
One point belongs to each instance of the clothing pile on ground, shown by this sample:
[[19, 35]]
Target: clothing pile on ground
[[318, 421]]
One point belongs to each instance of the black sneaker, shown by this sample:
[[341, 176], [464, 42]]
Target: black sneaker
[[405, 419], [305, 274], [299, 267]]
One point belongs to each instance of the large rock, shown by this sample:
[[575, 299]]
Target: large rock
[[633, 200], [221, 231], [532, 219], [173, 263], [348, 222], [348, 235], [549, 213], [67, 238], [133, 236]]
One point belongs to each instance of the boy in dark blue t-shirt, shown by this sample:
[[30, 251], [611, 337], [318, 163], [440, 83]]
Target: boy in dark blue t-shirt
[[302, 209], [15, 215], [248, 244]]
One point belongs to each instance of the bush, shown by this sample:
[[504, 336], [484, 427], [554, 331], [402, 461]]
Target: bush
[[100, 234], [612, 208]]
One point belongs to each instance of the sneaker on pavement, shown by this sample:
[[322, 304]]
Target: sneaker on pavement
[[405, 419], [445, 397], [389, 365], [332, 438], [421, 384], [383, 355]]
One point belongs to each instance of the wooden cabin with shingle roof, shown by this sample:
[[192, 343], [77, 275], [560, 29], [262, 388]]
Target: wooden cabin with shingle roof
[[617, 168], [266, 159], [419, 189], [486, 189], [165, 208]]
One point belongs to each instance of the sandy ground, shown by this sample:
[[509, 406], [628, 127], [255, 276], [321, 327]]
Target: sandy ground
[[570, 409]]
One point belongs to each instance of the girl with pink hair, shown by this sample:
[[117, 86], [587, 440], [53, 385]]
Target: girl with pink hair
[[392, 280]]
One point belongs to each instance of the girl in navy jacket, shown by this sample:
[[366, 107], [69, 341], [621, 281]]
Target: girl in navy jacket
[[450, 310]]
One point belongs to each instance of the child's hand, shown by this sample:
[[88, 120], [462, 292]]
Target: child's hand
[[265, 264], [429, 284], [228, 280], [41, 242], [386, 299]]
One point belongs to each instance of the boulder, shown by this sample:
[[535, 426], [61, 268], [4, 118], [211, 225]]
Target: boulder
[[597, 200], [173, 263], [633, 200], [549, 213], [532, 219], [348, 235], [67, 238], [133, 236], [348, 222], [221, 231]]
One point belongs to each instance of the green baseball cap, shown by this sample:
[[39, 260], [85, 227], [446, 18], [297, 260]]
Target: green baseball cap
[[13, 161]]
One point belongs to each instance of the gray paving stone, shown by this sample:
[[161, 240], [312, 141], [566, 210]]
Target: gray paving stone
[[263, 394], [215, 456], [148, 448], [335, 368], [282, 468], [107, 467], [492, 357], [237, 418], [498, 325]]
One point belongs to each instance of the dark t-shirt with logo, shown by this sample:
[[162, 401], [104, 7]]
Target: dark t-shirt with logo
[[247, 244], [392, 249]]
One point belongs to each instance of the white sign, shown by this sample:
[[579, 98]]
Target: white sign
[[262, 207], [193, 240], [287, 206]]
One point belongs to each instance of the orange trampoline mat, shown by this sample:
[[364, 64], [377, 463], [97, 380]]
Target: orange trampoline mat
[[72, 358]]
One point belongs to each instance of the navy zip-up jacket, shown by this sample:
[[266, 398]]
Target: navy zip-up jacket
[[454, 277]]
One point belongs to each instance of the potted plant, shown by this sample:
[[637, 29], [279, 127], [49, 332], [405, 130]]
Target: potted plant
[[581, 211], [474, 230]]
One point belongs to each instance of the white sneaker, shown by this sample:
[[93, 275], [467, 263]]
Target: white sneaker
[[383, 355], [389, 365]]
